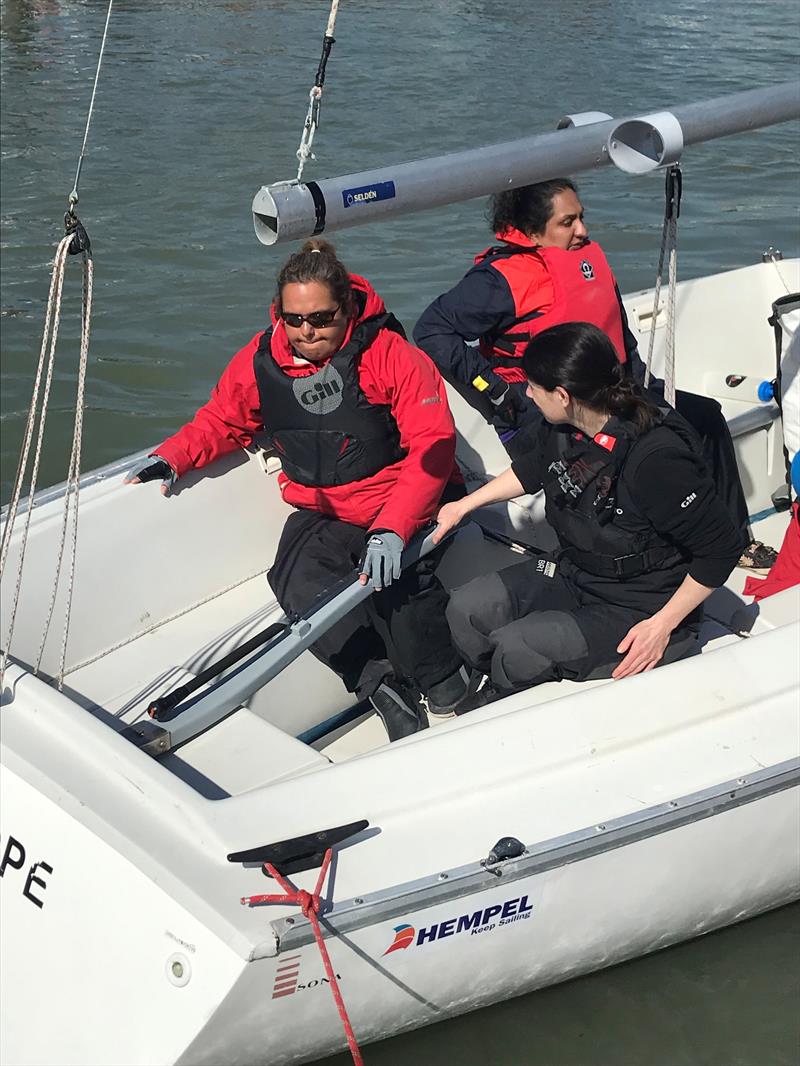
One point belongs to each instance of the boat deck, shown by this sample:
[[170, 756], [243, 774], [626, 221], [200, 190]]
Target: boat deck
[[728, 618], [259, 742]]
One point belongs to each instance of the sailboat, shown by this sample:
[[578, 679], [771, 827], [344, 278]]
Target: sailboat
[[566, 828]]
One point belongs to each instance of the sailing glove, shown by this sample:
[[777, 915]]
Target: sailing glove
[[382, 558], [158, 469], [508, 405]]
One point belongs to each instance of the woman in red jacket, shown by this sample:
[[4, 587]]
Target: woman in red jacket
[[360, 420]]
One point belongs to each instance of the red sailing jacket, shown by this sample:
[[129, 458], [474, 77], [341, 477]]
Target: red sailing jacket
[[401, 497], [549, 286]]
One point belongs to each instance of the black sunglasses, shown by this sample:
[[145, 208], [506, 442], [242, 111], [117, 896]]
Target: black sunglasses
[[317, 319]]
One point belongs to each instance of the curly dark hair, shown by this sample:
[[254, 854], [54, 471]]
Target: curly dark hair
[[527, 208], [317, 261]]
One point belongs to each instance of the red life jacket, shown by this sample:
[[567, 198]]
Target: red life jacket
[[583, 290]]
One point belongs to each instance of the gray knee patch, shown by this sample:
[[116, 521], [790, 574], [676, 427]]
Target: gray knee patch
[[474, 610], [533, 649]]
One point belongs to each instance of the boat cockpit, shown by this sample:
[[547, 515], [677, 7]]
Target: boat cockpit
[[166, 588]]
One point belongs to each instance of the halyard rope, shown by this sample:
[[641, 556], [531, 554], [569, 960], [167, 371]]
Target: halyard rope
[[304, 152], [76, 240], [310, 903], [49, 338], [73, 479], [669, 244]]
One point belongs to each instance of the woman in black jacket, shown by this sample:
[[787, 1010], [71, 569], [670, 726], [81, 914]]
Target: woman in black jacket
[[644, 538]]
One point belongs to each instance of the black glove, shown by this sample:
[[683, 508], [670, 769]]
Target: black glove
[[157, 469], [508, 405]]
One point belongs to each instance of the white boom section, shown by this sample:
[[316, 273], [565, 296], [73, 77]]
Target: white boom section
[[291, 210]]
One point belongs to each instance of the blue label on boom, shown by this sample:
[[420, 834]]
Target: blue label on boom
[[368, 194]]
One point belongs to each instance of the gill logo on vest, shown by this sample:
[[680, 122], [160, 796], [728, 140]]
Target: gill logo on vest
[[321, 393], [587, 270]]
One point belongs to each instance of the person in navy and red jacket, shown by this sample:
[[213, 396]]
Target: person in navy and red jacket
[[360, 420], [545, 271]]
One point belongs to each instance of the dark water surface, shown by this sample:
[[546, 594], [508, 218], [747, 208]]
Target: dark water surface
[[201, 102]]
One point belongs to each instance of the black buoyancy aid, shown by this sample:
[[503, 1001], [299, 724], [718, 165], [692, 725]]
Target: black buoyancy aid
[[322, 426], [584, 290], [591, 509]]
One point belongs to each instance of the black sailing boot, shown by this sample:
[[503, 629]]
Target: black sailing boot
[[444, 697], [399, 708], [480, 692]]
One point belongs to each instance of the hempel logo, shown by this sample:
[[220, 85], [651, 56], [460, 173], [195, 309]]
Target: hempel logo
[[482, 921]]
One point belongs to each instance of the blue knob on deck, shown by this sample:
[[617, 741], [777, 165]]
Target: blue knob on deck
[[766, 391]]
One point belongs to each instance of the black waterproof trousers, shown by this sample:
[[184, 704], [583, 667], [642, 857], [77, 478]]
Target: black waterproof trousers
[[528, 624], [400, 630]]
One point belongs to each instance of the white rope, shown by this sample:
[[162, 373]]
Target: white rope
[[73, 196], [37, 408], [656, 307], [73, 480], [669, 247], [669, 355], [56, 281], [304, 152]]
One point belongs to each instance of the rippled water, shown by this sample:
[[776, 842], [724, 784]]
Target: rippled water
[[199, 104]]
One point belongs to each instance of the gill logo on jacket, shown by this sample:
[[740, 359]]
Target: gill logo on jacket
[[321, 393], [587, 270], [480, 921]]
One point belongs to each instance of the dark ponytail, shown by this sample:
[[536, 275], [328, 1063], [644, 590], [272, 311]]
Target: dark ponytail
[[582, 360], [528, 208], [317, 261]]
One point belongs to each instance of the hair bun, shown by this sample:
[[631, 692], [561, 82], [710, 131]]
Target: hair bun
[[316, 244], [618, 373]]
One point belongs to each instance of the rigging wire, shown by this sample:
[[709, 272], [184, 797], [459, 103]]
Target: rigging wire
[[311, 124], [73, 196]]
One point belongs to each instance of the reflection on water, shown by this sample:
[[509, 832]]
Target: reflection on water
[[202, 102]]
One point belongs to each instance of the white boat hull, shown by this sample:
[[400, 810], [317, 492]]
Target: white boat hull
[[652, 810]]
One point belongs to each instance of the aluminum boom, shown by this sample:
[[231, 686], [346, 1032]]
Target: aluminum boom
[[290, 210]]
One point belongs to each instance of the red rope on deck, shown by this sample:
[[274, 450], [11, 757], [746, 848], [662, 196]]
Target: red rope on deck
[[310, 903]]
